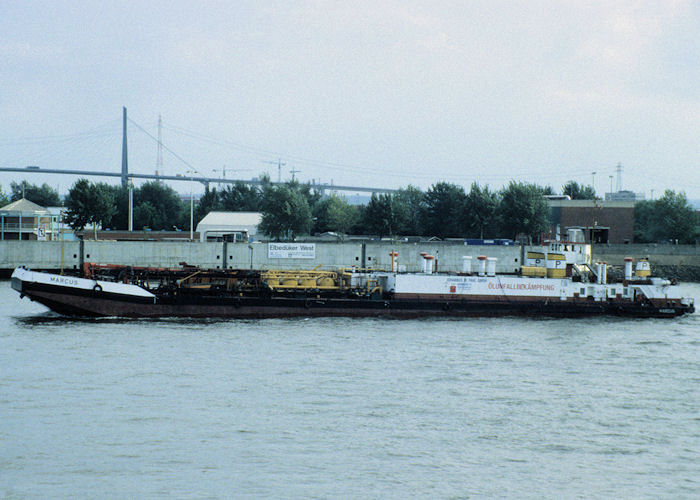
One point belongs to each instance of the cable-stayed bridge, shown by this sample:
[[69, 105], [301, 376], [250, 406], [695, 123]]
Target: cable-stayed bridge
[[194, 178], [125, 175]]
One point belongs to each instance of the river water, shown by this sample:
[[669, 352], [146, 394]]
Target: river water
[[347, 408]]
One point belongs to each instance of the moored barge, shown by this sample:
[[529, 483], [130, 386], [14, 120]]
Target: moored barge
[[560, 280]]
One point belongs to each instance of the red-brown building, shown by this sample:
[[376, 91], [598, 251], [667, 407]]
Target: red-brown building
[[601, 221]]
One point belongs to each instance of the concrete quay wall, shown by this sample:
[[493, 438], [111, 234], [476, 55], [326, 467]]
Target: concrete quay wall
[[663, 255], [47, 255], [681, 262]]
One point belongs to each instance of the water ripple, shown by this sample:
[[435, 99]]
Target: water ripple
[[333, 407]]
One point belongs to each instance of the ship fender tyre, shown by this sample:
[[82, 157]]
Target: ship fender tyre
[[446, 306], [237, 303], [307, 304], [386, 304], [97, 288]]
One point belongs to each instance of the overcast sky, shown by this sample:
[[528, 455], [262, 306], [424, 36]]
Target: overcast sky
[[376, 93]]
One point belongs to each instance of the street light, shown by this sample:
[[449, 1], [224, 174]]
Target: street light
[[611, 191], [131, 205], [191, 172]]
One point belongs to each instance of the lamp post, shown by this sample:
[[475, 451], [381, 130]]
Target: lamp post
[[191, 172], [611, 191], [63, 238], [131, 205]]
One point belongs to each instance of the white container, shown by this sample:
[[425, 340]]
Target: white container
[[422, 261], [429, 263], [491, 266], [467, 264], [482, 264], [628, 268], [643, 269]]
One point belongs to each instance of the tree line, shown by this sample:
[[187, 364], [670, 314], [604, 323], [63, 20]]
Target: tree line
[[445, 210], [44, 195], [669, 218], [292, 209]]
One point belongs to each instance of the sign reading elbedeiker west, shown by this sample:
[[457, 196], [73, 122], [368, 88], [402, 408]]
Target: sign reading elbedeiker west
[[291, 250]]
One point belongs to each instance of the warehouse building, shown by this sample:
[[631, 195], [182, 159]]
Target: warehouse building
[[601, 221]]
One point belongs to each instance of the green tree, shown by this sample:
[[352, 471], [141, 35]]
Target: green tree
[[578, 191], [382, 215], [311, 194], [668, 218], [89, 203], [210, 201], [410, 202], [523, 210], [644, 221], [145, 215], [341, 215], [120, 217], [444, 203], [334, 213], [241, 198], [320, 216], [4, 199], [479, 214], [43, 195], [588, 193], [285, 213], [168, 209], [154, 205]]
